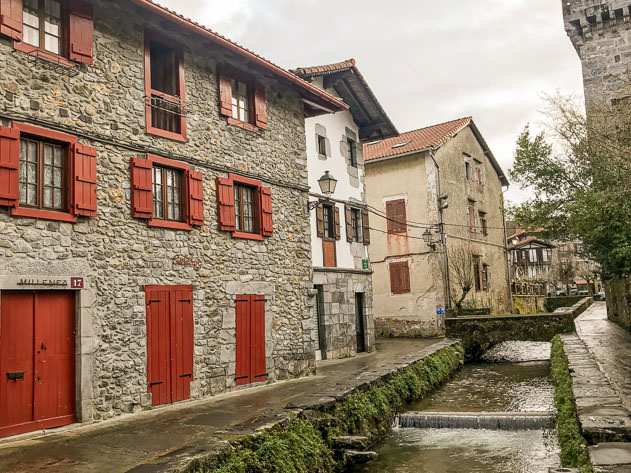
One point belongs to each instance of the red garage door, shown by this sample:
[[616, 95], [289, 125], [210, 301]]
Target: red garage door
[[250, 362], [169, 342], [37, 361]]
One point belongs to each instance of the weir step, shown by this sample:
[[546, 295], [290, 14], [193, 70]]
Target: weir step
[[476, 420]]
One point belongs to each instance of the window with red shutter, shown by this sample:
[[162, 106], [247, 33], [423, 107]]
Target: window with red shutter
[[81, 32], [241, 99], [46, 174], [471, 216], [167, 193], [396, 215], [399, 277], [11, 19], [244, 207]]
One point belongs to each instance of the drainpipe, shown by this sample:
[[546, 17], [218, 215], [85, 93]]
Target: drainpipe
[[510, 292], [443, 238]]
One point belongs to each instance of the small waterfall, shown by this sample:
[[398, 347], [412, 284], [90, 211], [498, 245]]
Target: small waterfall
[[476, 420]]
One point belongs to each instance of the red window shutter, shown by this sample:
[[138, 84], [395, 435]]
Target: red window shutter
[[195, 198], [243, 359], [81, 32], [395, 212], [267, 223], [225, 95], [338, 233], [141, 188], [84, 180], [365, 227], [399, 277], [11, 19], [259, 372], [226, 217], [260, 107], [471, 220], [182, 356], [479, 175], [9, 166]]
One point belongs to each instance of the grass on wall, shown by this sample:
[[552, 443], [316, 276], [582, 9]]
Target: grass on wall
[[573, 445], [304, 444]]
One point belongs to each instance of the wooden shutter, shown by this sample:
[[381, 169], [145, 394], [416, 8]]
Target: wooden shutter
[[349, 222], [195, 198], [365, 227], [141, 188], [225, 95], [320, 220], [395, 212], [479, 175], [338, 233], [182, 333], [11, 19], [84, 196], [476, 273], [485, 277], [243, 357], [471, 220], [9, 166], [260, 114], [226, 218], [267, 224], [81, 32], [257, 324], [399, 277]]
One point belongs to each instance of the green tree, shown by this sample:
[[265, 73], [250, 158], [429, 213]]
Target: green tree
[[580, 175]]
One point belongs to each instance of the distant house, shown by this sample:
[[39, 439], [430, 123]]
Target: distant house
[[340, 232], [410, 180], [530, 261]]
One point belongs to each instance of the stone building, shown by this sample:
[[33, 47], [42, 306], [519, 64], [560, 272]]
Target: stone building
[[154, 237], [340, 232], [410, 179]]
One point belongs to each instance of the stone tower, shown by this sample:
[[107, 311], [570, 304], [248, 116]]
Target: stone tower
[[601, 33]]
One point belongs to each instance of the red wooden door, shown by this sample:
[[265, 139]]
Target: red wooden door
[[169, 342], [250, 340], [37, 361]]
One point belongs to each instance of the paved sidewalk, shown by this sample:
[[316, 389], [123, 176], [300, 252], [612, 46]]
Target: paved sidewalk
[[139, 442], [610, 345]]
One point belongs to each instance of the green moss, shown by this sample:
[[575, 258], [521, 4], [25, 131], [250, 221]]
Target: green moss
[[553, 303], [304, 444], [573, 445]]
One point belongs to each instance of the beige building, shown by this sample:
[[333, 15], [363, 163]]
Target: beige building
[[419, 183]]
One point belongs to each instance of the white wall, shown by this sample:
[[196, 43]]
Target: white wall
[[349, 188]]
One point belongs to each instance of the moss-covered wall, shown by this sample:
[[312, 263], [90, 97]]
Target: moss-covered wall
[[529, 304], [553, 303]]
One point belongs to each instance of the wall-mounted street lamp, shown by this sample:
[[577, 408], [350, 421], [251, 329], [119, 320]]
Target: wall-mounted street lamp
[[327, 185], [428, 238]]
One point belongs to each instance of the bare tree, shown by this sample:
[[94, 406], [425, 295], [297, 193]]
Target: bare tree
[[565, 268], [461, 272]]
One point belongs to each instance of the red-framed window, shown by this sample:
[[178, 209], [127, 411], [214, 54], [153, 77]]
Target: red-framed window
[[54, 30], [164, 88], [244, 207], [167, 193], [46, 174], [241, 99]]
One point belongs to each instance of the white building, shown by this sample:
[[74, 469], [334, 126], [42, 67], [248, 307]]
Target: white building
[[340, 229]]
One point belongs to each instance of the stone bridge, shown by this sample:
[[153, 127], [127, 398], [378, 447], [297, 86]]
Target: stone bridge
[[479, 333]]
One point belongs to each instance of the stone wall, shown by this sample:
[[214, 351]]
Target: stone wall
[[618, 297], [531, 304], [338, 289], [118, 255]]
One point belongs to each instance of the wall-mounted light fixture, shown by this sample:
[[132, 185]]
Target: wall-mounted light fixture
[[428, 237], [327, 185]]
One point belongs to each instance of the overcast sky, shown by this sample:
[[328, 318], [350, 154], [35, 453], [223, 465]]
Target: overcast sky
[[426, 61]]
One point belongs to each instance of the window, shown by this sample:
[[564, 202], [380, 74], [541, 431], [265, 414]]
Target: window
[[240, 101], [352, 152], [467, 170], [471, 205], [43, 170], [245, 208], [164, 89], [322, 145], [399, 277], [483, 224], [356, 225], [477, 269], [167, 194], [41, 25], [485, 277], [478, 173], [46, 174], [395, 213], [328, 219]]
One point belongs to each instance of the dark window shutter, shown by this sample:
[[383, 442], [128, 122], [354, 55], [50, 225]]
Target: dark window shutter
[[225, 95], [81, 32], [395, 212], [11, 19], [84, 196], [349, 223], [195, 198], [141, 188], [226, 218], [399, 277], [365, 227], [320, 220], [390, 215], [260, 107], [338, 233], [476, 274], [9, 166], [259, 372], [267, 223]]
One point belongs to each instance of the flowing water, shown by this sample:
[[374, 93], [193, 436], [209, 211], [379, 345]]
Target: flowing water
[[499, 394]]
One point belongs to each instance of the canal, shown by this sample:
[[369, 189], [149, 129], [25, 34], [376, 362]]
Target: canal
[[495, 417]]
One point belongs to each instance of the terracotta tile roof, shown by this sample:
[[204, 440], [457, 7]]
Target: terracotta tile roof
[[325, 69], [222, 40], [416, 140]]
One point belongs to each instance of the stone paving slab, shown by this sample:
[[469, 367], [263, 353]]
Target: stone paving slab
[[611, 457]]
